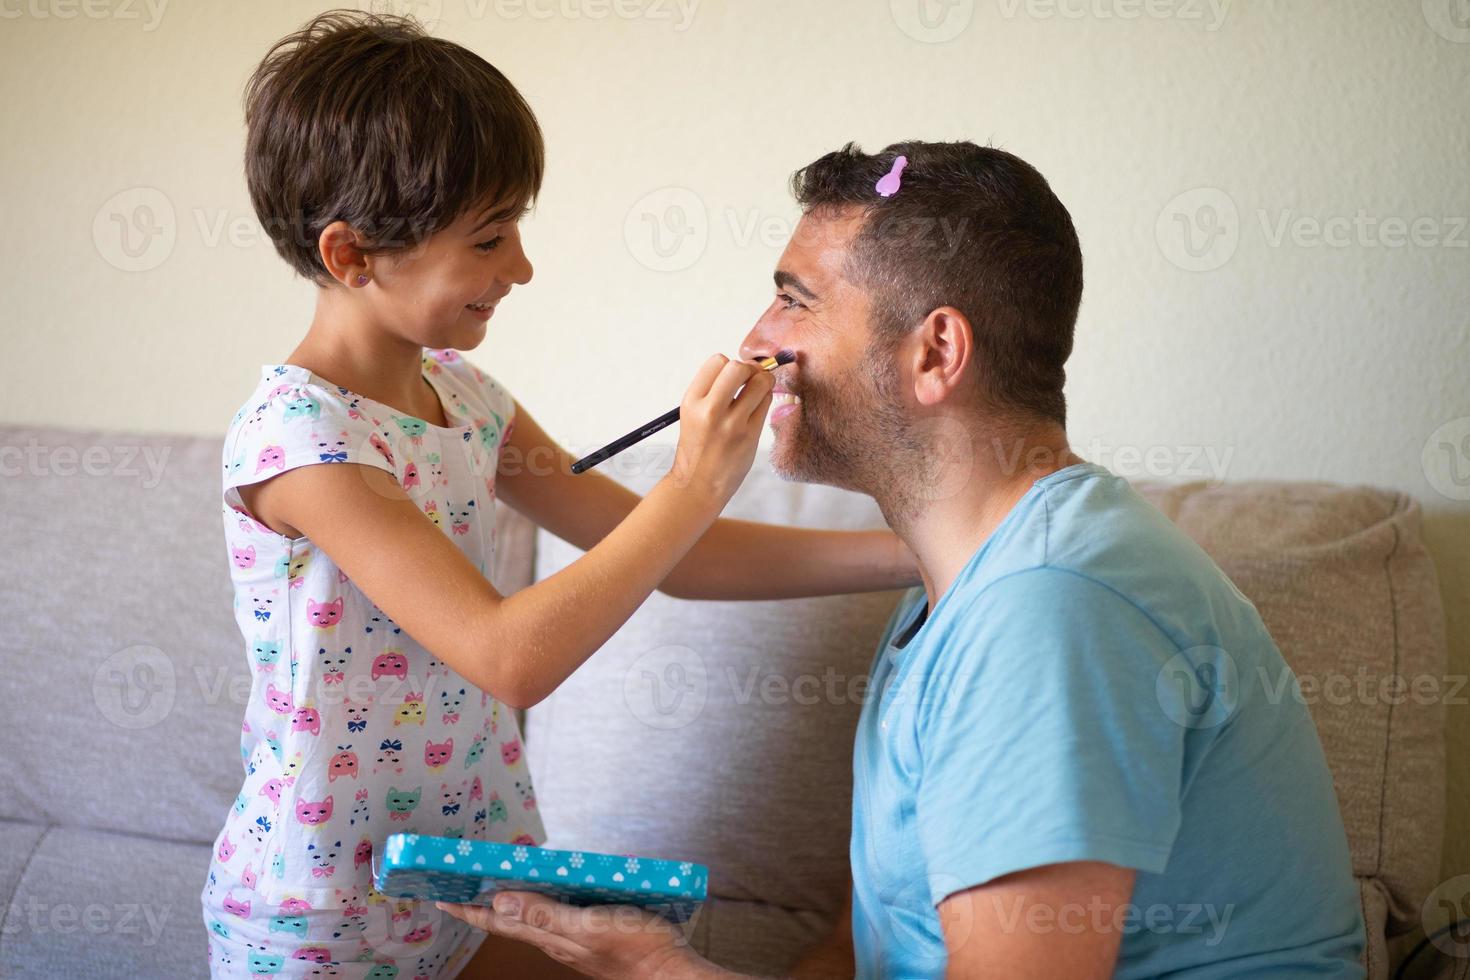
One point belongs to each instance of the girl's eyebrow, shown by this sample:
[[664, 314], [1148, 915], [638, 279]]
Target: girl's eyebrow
[[503, 215]]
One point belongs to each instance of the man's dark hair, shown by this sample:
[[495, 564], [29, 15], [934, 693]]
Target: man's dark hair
[[364, 118], [971, 227]]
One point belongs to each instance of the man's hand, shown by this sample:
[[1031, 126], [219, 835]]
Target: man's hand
[[615, 942]]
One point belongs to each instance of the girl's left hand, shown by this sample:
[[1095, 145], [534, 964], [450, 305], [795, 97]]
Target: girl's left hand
[[617, 942]]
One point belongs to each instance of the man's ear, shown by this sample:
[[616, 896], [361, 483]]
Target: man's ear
[[943, 346]]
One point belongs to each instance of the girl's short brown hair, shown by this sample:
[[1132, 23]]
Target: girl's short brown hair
[[366, 119]]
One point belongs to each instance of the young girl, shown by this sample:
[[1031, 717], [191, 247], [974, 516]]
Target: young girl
[[391, 169]]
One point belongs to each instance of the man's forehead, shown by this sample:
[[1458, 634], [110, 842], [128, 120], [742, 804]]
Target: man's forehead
[[818, 249]]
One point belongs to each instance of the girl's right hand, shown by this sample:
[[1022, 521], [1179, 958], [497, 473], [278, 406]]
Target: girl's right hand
[[718, 430]]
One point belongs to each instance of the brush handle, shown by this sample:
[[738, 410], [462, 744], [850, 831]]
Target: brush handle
[[618, 445], [662, 422]]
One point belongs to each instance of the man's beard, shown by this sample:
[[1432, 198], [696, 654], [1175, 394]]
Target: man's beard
[[852, 435], [861, 436]]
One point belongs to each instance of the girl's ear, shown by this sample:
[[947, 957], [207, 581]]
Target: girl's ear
[[345, 261], [944, 345]]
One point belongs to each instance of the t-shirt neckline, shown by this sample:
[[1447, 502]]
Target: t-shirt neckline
[[909, 631]]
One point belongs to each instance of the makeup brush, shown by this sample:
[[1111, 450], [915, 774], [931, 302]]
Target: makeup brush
[[662, 422]]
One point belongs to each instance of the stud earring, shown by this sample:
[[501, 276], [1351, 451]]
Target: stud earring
[[362, 280]]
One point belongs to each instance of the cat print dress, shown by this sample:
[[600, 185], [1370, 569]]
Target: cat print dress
[[353, 731]]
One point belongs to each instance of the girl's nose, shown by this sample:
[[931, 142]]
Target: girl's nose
[[522, 271]]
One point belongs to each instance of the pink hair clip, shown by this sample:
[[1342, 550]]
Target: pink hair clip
[[887, 185]]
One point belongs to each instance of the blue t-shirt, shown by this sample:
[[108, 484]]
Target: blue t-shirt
[[1093, 688]]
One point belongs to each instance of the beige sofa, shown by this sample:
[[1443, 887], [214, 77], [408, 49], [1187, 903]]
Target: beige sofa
[[717, 732]]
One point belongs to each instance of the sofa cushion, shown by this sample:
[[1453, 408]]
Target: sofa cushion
[[127, 713], [99, 904]]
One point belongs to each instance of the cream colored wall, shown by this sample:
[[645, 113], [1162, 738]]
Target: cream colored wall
[[1341, 356]]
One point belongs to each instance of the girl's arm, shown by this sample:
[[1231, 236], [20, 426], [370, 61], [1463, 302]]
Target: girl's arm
[[520, 648], [733, 560]]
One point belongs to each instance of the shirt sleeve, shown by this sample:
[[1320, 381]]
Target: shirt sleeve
[[300, 424], [1043, 738]]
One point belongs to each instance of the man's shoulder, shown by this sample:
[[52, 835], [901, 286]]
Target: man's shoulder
[[1095, 531], [1096, 552]]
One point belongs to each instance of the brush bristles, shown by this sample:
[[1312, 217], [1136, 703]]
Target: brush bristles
[[771, 363]]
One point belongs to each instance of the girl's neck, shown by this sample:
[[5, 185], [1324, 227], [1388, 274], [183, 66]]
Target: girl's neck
[[368, 360]]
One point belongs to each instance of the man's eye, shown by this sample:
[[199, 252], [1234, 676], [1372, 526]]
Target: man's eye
[[490, 245], [787, 302]]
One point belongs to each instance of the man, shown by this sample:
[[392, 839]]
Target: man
[[1072, 764]]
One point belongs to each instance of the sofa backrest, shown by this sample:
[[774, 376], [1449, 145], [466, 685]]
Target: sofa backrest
[[123, 673]]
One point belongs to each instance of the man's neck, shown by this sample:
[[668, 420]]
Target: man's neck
[[944, 530]]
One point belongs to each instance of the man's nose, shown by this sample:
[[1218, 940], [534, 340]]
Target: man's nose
[[762, 341]]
